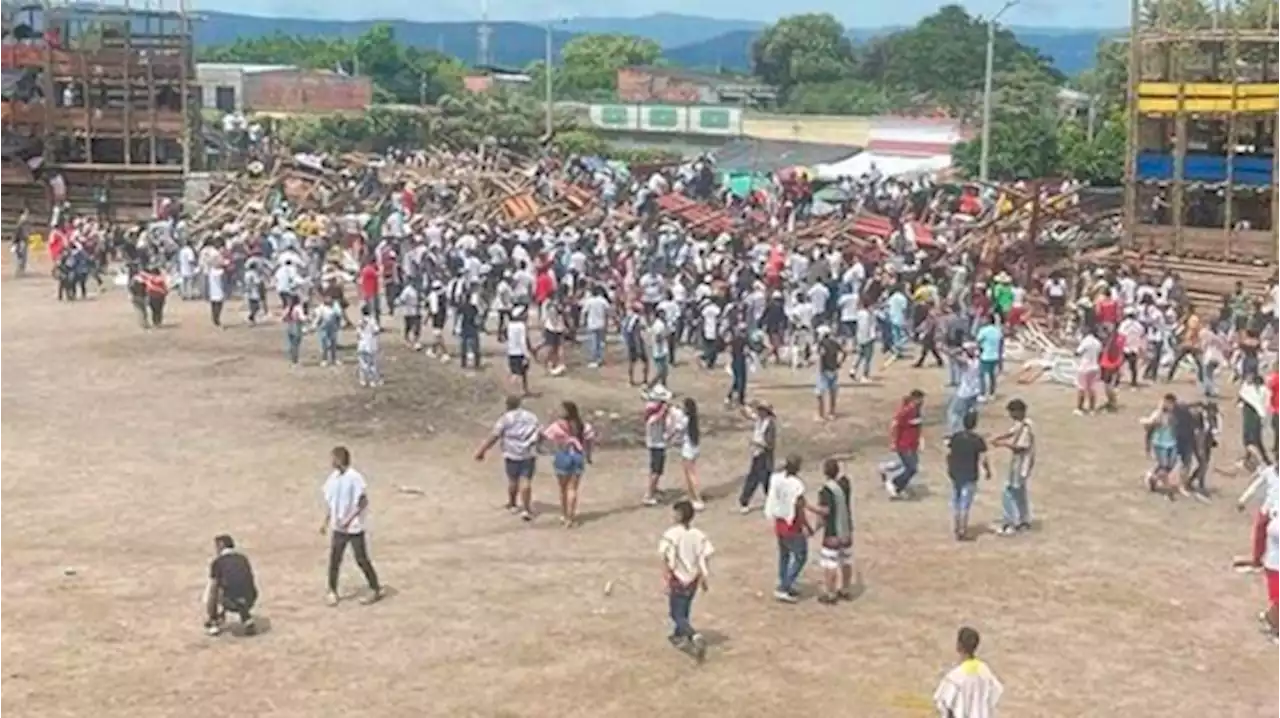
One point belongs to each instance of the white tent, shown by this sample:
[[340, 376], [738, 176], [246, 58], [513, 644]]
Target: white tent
[[887, 165]]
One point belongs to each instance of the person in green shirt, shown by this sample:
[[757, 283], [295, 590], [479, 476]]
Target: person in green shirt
[[1002, 294]]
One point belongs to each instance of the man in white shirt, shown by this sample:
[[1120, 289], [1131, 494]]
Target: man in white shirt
[[660, 348], [518, 348], [1087, 375], [216, 292], [686, 554], [187, 271], [595, 312], [345, 515]]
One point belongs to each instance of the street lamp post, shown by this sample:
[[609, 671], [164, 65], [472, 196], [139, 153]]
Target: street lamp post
[[549, 99], [984, 163]]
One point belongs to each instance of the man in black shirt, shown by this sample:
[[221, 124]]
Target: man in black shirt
[[231, 587], [965, 451], [469, 330], [830, 357]]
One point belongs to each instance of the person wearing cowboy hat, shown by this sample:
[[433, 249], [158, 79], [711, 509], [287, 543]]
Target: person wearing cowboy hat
[[658, 427], [764, 441], [1002, 294]]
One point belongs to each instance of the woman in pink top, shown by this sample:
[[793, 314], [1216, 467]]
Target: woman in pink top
[[572, 439]]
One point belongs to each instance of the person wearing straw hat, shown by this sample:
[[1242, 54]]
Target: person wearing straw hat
[[764, 440], [657, 427]]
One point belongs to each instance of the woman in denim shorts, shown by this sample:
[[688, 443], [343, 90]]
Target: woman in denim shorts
[[571, 438]]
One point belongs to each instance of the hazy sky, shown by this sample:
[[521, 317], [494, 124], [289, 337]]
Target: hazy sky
[[1034, 13]]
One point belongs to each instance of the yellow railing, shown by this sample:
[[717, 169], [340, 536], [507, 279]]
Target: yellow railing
[[1207, 97]]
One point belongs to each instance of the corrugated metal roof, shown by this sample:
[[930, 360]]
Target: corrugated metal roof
[[772, 155], [245, 67]]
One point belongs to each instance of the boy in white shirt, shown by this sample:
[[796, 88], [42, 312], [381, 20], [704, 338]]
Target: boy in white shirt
[[518, 347], [686, 554], [367, 349]]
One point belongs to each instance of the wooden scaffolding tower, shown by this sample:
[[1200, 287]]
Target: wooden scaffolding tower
[[1200, 167], [118, 106]]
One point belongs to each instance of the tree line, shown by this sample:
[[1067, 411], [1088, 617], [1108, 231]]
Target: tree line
[[935, 67]]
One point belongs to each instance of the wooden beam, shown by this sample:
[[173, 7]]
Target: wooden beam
[[1132, 136]]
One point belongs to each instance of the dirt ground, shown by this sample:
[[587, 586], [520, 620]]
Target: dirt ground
[[126, 451]]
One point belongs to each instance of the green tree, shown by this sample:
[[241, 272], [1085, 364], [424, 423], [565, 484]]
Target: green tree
[[844, 97], [400, 74], [944, 58], [1023, 146], [1108, 79], [1099, 159], [1024, 127], [590, 63], [800, 49]]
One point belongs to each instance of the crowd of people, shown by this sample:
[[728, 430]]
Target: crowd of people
[[557, 297]]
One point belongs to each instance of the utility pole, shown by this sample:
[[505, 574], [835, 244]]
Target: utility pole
[[549, 99], [483, 32], [984, 163]]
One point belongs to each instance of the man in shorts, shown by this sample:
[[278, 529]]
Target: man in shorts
[[518, 347], [517, 429], [1088, 374], [830, 357], [835, 510], [657, 427]]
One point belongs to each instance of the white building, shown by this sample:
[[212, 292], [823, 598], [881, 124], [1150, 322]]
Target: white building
[[222, 83]]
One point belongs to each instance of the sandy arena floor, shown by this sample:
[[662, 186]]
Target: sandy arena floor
[[126, 451]]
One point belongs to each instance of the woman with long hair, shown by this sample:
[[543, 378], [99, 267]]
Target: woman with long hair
[[572, 438], [691, 433]]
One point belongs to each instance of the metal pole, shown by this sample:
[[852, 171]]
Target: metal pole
[[549, 99], [984, 163]]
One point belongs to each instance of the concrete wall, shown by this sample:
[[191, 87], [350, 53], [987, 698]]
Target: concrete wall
[[211, 77], [305, 91], [637, 85], [834, 130]]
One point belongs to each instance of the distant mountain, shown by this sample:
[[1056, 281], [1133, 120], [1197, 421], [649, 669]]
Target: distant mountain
[[512, 44], [667, 29], [688, 41], [730, 51]]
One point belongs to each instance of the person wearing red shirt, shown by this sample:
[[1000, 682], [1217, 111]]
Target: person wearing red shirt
[[1266, 554], [785, 504], [1107, 310], [1109, 363], [904, 433], [1273, 406], [57, 244], [369, 289], [544, 285]]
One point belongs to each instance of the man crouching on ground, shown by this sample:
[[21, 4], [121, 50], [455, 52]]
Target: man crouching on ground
[[230, 587]]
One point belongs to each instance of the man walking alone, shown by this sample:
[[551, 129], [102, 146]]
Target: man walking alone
[[347, 502], [685, 553]]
